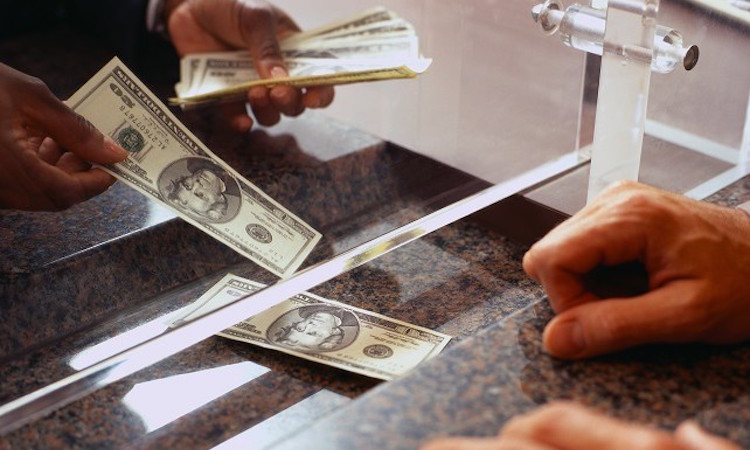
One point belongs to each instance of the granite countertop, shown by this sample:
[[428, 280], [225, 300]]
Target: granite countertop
[[473, 289]]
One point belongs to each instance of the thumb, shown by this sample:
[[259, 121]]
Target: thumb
[[606, 326], [695, 438], [258, 31], [74, 133]]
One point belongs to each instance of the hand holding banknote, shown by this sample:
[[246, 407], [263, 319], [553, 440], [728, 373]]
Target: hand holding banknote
[[372, 45], [46, 149], [201, 26]]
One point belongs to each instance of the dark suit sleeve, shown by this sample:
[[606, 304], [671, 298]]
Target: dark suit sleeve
[[17, 17], [120, 23]]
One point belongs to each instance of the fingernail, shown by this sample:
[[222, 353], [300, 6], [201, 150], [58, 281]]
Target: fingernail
[[692, 435], [279, 72], [565, 339], [115, 149], [313, 102]]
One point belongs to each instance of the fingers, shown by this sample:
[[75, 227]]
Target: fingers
[[561, 260], [484, 444], [604, 326], [90, 184], [71, 130], [615, 229], [566, 426], [265, 112], [695, 438], [258, 28], [233, 115], [258, 31], [318, 97], [69, 179], [55, 188], [49, 151]]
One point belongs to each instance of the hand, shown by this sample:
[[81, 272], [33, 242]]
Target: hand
[[197, 26], [45, 148], [696, 255], [566, 426]]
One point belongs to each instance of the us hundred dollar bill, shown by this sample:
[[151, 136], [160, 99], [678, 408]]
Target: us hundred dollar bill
[[170, 165], [324, 331], [375, 15]]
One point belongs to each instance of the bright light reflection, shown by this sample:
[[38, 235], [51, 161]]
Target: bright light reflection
[[159, 402], [286, 423], [114, 345], [157, 214]]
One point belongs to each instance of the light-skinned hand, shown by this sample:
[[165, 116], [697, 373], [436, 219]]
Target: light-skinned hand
[[567, 426], [696, 256], [46, 149], [198, 26]]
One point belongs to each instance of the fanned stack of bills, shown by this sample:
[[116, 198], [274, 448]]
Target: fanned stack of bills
[[373, 45], [170, 165], [324, 331]]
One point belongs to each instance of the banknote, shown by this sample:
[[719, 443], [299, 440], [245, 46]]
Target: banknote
[[216, 85], [386, 29], [370, 46], [324, 331], [222, 72], [377, 14], [170, 165]]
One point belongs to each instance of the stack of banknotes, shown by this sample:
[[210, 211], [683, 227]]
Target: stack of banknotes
[[373, 45]]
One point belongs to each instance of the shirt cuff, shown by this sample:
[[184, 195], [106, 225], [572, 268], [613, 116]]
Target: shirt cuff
[[155, 22]]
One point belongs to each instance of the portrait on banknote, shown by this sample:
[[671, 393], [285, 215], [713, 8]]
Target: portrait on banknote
[[200, 188], [315, 328]]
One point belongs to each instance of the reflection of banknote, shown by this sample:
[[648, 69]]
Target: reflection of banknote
[[170, 165], [325, 331], [374, 45]]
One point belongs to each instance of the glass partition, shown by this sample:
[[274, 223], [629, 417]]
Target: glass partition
[[387, 174]]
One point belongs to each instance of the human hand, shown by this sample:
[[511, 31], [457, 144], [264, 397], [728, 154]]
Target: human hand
[[197, 26], [46, 148], [567, 426], [696, 255]]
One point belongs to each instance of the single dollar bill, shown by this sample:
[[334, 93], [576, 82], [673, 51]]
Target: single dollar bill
[[170, 165], [324, 331]]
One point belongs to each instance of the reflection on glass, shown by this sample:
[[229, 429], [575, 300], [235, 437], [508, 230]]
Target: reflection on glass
[[117, 344], [286, 422], [157, 214], [159, 402]]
